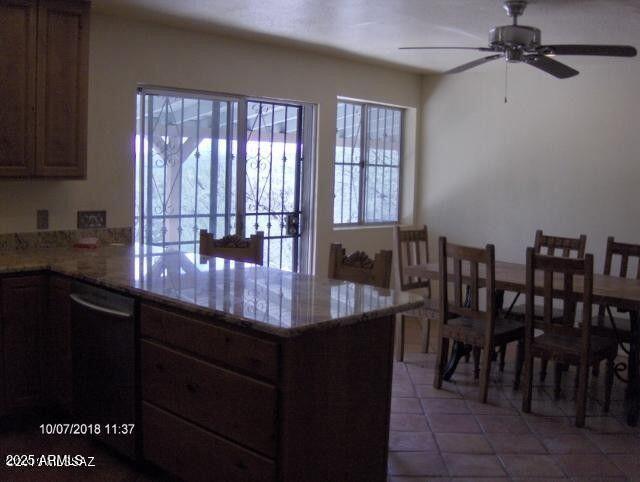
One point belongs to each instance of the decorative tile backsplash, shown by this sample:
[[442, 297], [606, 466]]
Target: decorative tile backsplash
[[53, 239]]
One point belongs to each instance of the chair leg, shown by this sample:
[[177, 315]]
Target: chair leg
[[519, 363], [544, 363], [401, 347], [609, 384], [557, 380], [426, 334], [528, 384], [467, 356], [485, 372], [503, 355], [581, 396], [442, 347], [476, 362]]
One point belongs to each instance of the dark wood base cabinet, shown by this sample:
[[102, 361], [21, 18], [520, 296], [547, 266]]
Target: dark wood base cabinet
[[324, 416], [35, 342], [219, 402], [58, 383], [22, 339]]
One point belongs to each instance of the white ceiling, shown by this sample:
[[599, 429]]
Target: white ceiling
[[374, 29]]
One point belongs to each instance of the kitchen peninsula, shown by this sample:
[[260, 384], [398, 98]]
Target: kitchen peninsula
[[245, 372]]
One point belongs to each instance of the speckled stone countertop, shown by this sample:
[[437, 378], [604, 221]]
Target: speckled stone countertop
[[260, 298]]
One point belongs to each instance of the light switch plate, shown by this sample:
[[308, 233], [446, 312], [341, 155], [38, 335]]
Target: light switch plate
[[42, 219], [92, 219]]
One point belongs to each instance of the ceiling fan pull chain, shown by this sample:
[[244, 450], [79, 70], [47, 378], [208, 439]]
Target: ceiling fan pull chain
[[506, 80]]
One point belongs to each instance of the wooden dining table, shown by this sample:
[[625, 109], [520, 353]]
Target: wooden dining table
[[613, 291]]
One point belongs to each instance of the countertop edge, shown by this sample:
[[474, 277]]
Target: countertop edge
[[220, 315]]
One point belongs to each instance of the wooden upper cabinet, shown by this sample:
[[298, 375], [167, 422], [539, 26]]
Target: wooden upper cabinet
[[62, 75], [18, 21], [44, 53]]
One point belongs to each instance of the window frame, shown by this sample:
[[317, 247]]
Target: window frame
[[364, 162], [142, 90]]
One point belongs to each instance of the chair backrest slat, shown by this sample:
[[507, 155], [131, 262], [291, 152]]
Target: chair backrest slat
[[359, 268], [548, 296], [457, 282], [474, 285], [233, 247], [412, 248]]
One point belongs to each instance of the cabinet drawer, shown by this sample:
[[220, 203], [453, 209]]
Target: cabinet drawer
[[233, 405], [253, 355], [194, 454]]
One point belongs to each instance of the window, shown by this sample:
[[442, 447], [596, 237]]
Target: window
[[227, 164], [367, 164], [188, 168]]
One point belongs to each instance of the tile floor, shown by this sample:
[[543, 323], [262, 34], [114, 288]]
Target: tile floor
[[448, 435]]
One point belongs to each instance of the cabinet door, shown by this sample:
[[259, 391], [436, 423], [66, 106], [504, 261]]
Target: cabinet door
[[63, 52], [17, 87], [57, 344], [23, 302]]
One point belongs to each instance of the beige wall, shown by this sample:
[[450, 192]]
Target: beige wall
[[562, 155], [126, 53]]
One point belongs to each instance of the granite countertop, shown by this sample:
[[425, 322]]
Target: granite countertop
[[261, 298]]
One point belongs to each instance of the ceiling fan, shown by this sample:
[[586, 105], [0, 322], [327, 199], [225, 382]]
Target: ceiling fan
[[519, 43]]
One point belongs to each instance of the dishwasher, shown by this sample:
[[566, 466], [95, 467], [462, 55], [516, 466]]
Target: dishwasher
[[104, 358]]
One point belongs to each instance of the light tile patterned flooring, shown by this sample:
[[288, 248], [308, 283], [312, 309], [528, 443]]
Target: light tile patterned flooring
[[448, 435]]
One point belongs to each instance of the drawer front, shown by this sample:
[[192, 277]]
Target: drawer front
[[233, 405], [194, 454], [253, 355]]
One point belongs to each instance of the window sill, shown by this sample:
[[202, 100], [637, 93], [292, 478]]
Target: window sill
[[352, 227]]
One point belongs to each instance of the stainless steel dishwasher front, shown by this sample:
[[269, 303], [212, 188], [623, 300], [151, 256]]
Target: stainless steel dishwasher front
[[103, 341]]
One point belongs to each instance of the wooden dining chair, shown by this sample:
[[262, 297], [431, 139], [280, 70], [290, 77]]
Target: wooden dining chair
[[412, 250], [605, 322], [562, 342], [233, 247], [359, 268], [462, 319], [551, 246]]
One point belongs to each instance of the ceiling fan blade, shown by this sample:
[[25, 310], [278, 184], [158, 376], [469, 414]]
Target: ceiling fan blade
[[480, 49], [550, 66], [604, 50], [475, 63]]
